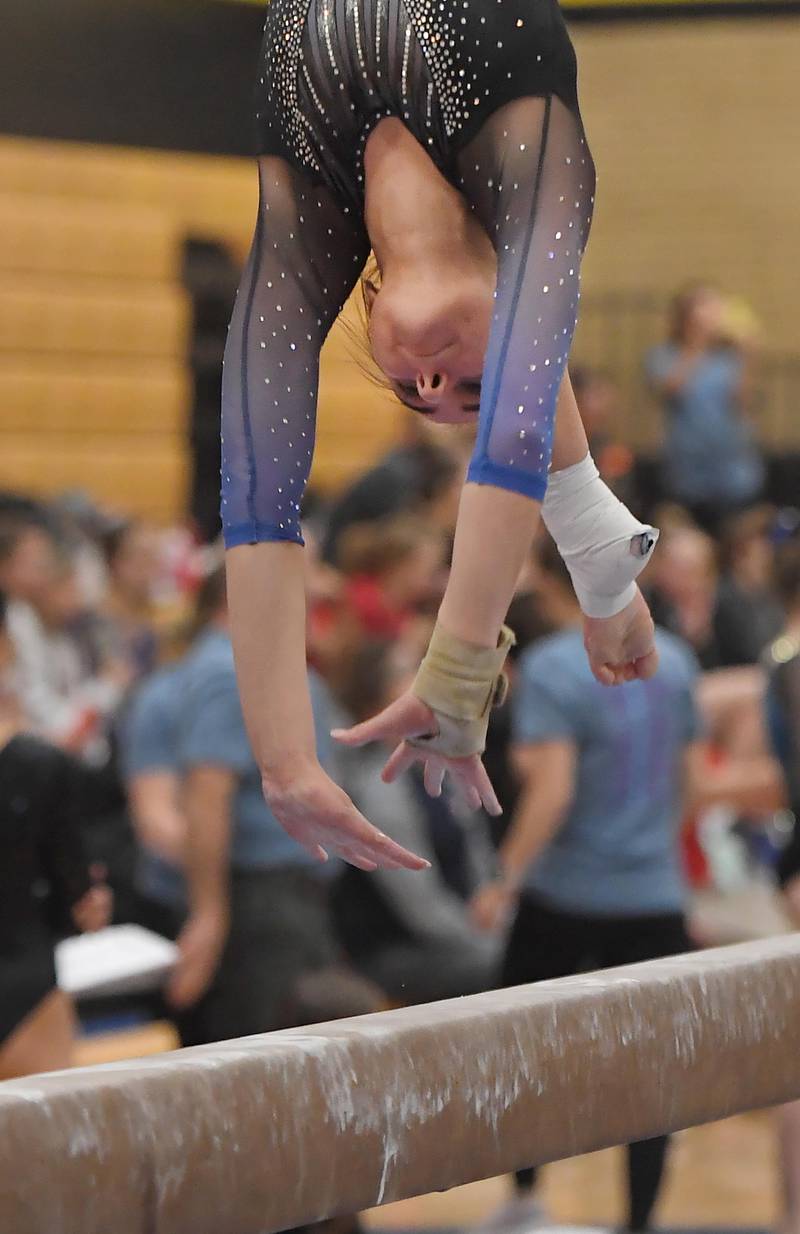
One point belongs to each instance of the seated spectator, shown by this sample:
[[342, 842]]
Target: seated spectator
[[703, 376], [46, 885], [66, 700], [409, 933], [590, 864], [681, 588], [258, 914], [127, 614], [748, 614], [28, 546]]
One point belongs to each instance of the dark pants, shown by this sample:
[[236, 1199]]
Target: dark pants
[[546, 943], [280, 930]]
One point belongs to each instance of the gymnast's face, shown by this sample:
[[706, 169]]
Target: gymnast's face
[[429, 338]]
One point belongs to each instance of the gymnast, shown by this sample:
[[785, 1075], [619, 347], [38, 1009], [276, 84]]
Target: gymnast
[[447, 138]]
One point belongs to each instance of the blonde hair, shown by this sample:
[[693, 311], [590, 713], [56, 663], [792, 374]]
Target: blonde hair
[[357, 330]]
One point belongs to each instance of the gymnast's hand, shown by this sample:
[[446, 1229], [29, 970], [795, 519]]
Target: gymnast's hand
[[622, 648], [320, 816], [410, 717]]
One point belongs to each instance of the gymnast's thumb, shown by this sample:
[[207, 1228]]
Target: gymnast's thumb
[[386, 726]]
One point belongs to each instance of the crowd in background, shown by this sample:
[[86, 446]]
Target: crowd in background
[[116, 651]]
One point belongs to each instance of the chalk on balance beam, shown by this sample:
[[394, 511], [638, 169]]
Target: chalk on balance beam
[[262, 1134]]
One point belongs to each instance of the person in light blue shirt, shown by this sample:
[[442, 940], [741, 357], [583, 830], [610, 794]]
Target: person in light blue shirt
[[590, 862], [711, 463], [615, 850]]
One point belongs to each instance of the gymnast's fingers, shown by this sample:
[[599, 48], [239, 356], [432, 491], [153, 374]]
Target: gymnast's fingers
[[647, 666], [370, 844], [403, 757], [486, 790], [602, 672], [434, 776], [462, 779]]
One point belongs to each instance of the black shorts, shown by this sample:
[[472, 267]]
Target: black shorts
[[547, 942]]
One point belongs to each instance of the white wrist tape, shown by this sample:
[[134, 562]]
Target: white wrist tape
[[604, 547]]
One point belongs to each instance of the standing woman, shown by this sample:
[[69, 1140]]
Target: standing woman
[[703, 376], [446, 138]]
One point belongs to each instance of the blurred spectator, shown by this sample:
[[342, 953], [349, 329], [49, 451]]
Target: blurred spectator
[[703, 375], [46, 885], [257, 903], [748, 612], [64, 699], [28, 547], [128, 631], [411, 934], [592, 851], [681, 588], [393, 570], [423, 475], [597, 396]]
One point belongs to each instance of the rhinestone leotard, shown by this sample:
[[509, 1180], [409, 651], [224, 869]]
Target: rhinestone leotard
[[489, 88]]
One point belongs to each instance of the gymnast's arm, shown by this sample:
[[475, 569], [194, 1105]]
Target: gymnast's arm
[[306, 255], [537, 208]]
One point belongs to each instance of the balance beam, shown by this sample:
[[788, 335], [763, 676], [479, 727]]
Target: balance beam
[[258, 1135]]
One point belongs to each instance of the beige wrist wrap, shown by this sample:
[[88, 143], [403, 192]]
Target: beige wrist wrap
[[461, 683]]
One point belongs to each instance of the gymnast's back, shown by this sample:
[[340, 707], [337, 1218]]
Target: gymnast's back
[[331, 69]]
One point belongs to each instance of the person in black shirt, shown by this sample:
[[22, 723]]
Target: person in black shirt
[[46, 886]]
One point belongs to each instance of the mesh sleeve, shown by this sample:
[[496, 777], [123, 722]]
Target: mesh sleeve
[[530, 177], [306, 255]]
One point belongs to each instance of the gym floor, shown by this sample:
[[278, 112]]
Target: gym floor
[[723, 1176]]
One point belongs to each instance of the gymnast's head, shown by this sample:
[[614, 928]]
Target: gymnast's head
[[428, 336]]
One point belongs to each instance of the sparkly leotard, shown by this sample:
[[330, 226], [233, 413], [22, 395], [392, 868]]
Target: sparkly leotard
[[488, 87]]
